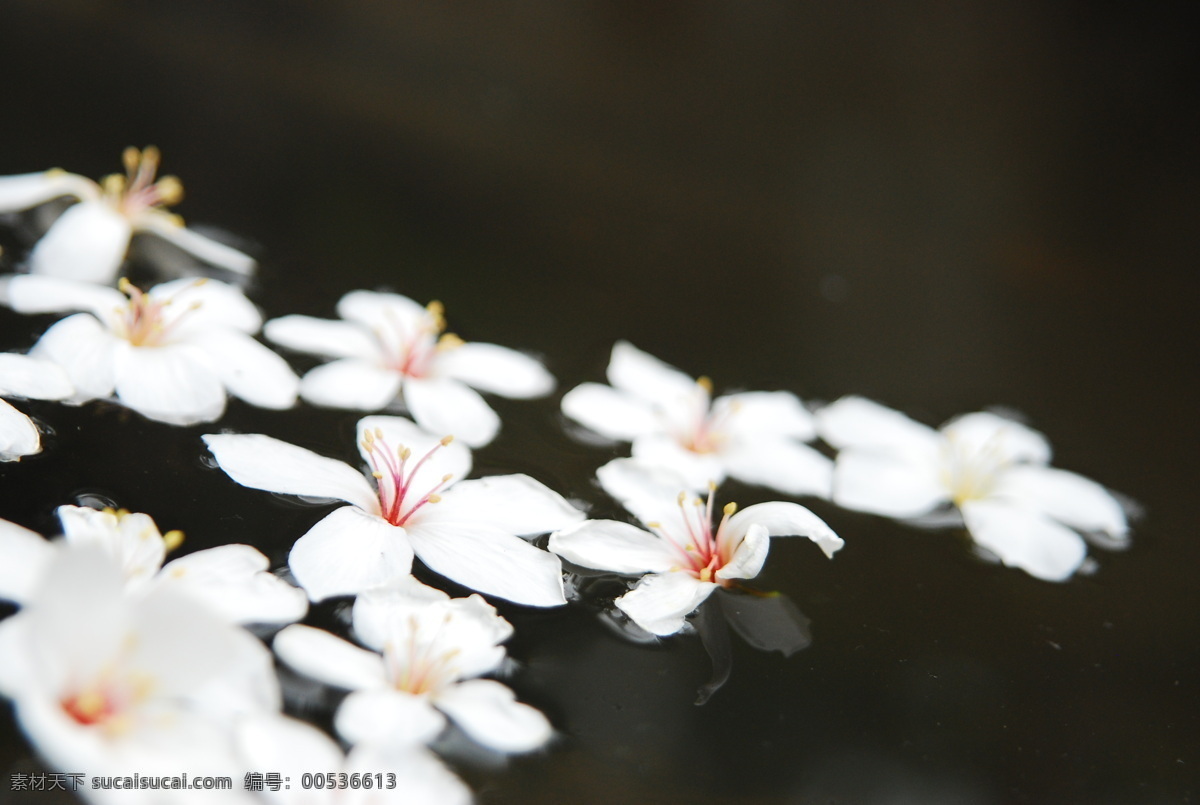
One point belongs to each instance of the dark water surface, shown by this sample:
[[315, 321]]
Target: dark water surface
[[942, 208]]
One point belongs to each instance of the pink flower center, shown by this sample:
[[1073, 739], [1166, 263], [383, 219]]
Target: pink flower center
[[398, 500], [705, 432], [148, 321], [411, 351], [92, 706], [136, 191], [701, 551]]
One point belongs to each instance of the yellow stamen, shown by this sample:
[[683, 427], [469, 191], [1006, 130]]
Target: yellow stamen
[[446, 440], [730, 508], [705, 383]]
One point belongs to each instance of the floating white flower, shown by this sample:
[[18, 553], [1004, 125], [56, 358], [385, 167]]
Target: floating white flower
[[465, 530], [23, 376], [992, 468], [430, 650], [388, 347], [683, 558], [105, 683], [88, 242], [231, 580], [169, 353], [756, 437]]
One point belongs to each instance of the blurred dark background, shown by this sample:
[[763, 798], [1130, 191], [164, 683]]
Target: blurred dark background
[[940, 206]]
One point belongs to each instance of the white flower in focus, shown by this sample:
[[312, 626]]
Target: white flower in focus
[[430, 650], [994, 470], [416, 502], [104, 683], [89, 240], [683, 558], [388, 347], [231, 580], [412, 776], [23, 376], [169, 353], [756, 437]]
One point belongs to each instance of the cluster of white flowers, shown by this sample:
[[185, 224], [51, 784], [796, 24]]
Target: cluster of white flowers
[[116, 661]]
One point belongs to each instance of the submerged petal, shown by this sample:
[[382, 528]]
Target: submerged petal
[[661, 601], [489, 712], [615, 546], [87, 243], [443, 405], [497, 370], [347, 552], [1025, 539]]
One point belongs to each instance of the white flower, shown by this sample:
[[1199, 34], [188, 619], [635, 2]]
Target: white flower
[[23, 376], [169, 353], [292, 749], [390, 347], [88, 242], [993, 469], [464, 530], [105, 683], [683, 558], [231, 580], [756, 437], [431, 647]]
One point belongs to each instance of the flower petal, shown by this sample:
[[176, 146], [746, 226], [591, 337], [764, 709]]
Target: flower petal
[[1069, 498], [615, 546], [489, 712], [784, 465], [132, 540], [514, 503], [496, 369], [382, 312], [750, 554], [24, 555], [23, 376], [18, 435], [387, 718], [423, 779], [1006, 439], [332, 339], [661, 601], [31, 293], [697, 469], [647, 491], [171, 384], [88, 243], [248, 369], [347, 552], [887, 484], [210, 251], [859, 422], [610, 412], [286, 745], [330, 659], [785, 520], [85, 350], [264, 462], [443, 405], [27, 190], [766, 413], [452, 459], [233, 581], [351, 383], [1025, 539], [646, 377], [491, 561]]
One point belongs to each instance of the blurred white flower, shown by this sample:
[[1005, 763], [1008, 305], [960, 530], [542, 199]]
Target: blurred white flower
[[994, 470], [756, 437], [89, 240], [466, 530], [23, 376], [387, 347], [683, 558], [169, 353], [430, 650]]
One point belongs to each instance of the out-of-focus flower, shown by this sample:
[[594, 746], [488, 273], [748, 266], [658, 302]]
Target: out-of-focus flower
[[23, 376], [231, 580], [992, 468], [431, 649], [756, 437], [684, 560], [387, 347], [169, 353], [89, 240], [466, 530]]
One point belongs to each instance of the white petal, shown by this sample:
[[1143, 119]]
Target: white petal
[[887, 484], [767, 413], [489, 713], [263, 462], [647, 491], [171, 384], [785, 520], [661, 601], [233, 581], [210, 251], [442, 405], [646, 377], [453, 459], [790, 467], [496, 369], [329, 659], [23, 376], [133, 540], [1025, 539], [286, 745], [382, 311], [18, 435], [248, 369], [87, 243], [351, 383], [1069, 498], [203, 304], [615, 546], [347, 552], [1004, 438], [27, 190], [858, 422], [376, 610], [23, 558], [491, 561], [85, 350], [514, 503], [751, 553], [332, 339], [422, 779], [697, 469], [387, 718], [30, 293], [610, 412]]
